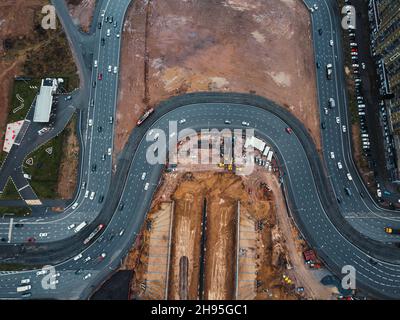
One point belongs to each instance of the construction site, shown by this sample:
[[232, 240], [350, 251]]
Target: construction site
[[219, 235]]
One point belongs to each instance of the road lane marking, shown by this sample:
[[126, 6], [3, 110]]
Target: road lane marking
[[10, 229]]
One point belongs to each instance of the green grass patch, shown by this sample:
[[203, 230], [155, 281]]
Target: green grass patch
[[15, 211], [45, 168], [10, 192]]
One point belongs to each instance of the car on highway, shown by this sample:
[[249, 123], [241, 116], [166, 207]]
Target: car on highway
[[337, 120], [245, 123], [41, 272], [92, 195], [25, 281], [121, 206], [227, 122], [26, 295], [109, 151], [108, 32], [121, 232], [340, 166], [101, 199], [71, 226], [87, 194], [323, 125], [349, 177], [90, 122], [331, 43], [100, 76], [18, 225], [75, 205], [95, 63], [344, 129], [115, 24], [111, 120], [115, 69], [348, 191], [146, 186], [379, 193], [102, 256], [87, 259], [94, 167], [182, 121], [79, 271], [117, 35], [332, 154], [289, 130], [99, 129], [144, 175], [43, 234], [109, 68], [76, 258]]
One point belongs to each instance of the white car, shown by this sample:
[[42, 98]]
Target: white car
[[25, 281], [90, 122], [96, 64], [87, 276], [43, 235], [326, 110], [87, 194], [109, 68], [75, 205], [41, 272], [344, 129], [109, 151], [144, 175], [87, 259], [332, 155], [331, 43], [108, 32], [54, 282], [337, 120], [182, 121], [76, 258], [340, 166], [92, 195], [121, 232], [246, 124], [156, 136], [349, 177], [71, 226], [315, 6], [117, 35], [379, 193], [146, 186], [115, 69]]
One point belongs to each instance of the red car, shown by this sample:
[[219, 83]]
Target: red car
[[100, 77], [289, 130]]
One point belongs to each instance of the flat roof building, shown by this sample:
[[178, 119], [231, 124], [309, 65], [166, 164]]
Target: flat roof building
[[44, 100]]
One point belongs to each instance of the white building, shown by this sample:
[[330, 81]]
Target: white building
[[44, 100]]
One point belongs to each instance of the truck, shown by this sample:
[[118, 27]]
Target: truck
[[332, 103], [80, 226], [329, 71], [24, 288], [145, 116], [93, 234], [391, 230]]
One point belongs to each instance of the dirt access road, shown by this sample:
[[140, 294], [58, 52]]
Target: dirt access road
[[174, 47]]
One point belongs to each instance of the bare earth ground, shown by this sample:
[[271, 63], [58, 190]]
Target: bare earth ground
[[277, 242], [69, 163], [10, 16], [82, 12], [263, 47]]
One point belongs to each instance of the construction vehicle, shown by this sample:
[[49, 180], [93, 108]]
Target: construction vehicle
[[390, 230]]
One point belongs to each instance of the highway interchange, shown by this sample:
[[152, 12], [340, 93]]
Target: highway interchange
[[349, 233]]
